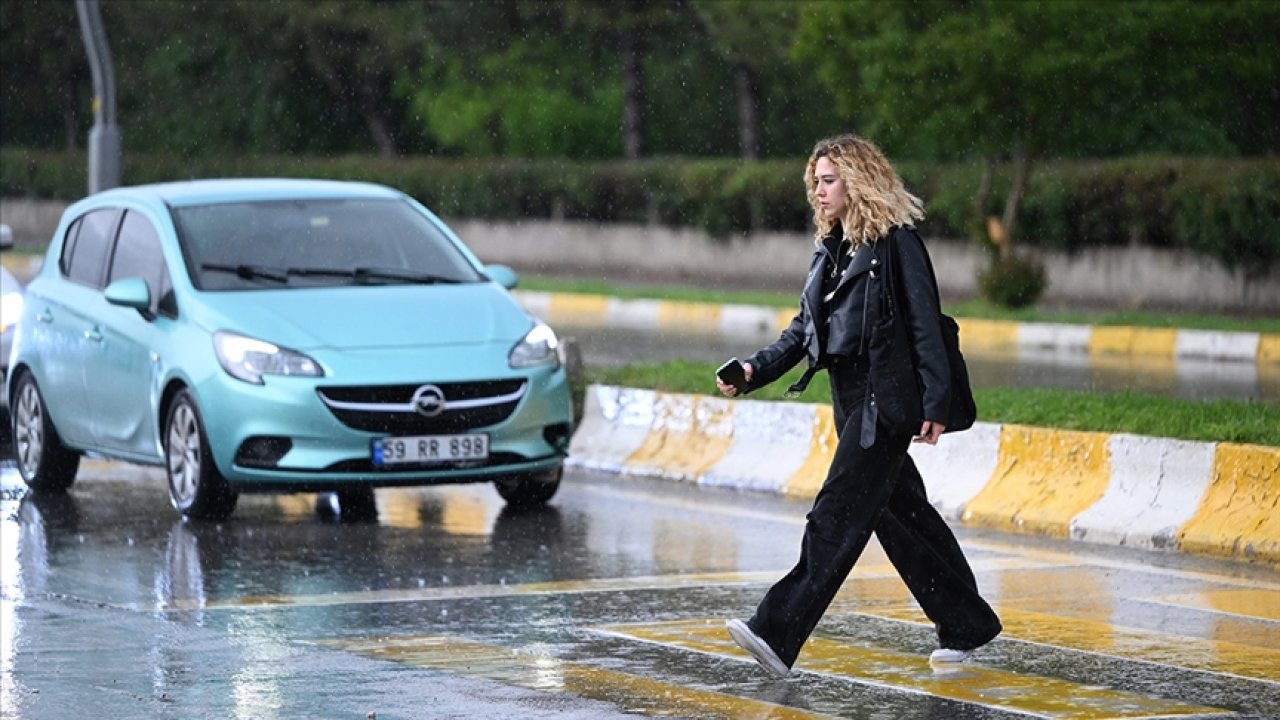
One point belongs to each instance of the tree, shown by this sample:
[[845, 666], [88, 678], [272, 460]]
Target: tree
[[627, 25], [44, 83], [745, 34], [1021, 81], [357, 49], [526, 86]]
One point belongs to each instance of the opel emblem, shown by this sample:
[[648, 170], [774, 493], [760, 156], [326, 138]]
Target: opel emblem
[[429, 401]]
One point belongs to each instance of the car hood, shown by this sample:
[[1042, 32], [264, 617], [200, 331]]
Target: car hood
[[358, 317]]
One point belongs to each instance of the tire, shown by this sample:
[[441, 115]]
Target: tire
[[355, 503], [529, 489], [45, 463], [196, 488]]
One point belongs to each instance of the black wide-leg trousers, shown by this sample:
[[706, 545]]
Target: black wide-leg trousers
[[876, 489]]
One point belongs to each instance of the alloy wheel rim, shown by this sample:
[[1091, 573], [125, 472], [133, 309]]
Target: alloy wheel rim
[[184, 454], [29, 431]]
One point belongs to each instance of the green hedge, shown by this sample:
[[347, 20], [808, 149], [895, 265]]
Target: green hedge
[[1226, 208]]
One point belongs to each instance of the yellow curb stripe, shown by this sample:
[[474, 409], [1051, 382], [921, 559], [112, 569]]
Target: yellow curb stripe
[[1239, 515], [1043, 479], [1268, 350], [1105, 638], [538, 671], [574, 308], [783, 319], [689, 434], [1125, 340], [971, 683], [808, 478], [675, 315], [987, 336]]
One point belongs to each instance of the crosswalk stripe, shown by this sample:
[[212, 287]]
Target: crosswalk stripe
[[1105, 638], [530, 669], [970, 683], [1261, 604]]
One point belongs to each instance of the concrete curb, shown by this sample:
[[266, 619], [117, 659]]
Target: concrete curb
[[976, 335], [1210, 498]]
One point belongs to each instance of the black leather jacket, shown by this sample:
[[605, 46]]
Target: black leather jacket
[[855, 310]]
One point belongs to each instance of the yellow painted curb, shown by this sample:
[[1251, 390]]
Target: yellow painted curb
[[784, 318], [1239, 515], [808, 479], [1122, 340], [1043, 479], [689, 434], [571, 308], [675, 315], [1269, 351], [978, 336]]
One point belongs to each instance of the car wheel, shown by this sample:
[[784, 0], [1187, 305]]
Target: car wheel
[[196, 488], [356, 503], [526, 489], [45, 463]]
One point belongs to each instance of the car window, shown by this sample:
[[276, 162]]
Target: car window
[[69, 246], [311, 243], [92, 248], [138, 254]]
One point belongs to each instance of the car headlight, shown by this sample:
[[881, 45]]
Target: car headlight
[[10, 310], [248, 359], [537, 347]]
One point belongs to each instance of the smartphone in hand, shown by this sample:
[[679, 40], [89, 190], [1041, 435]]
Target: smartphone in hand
[[731, 373]]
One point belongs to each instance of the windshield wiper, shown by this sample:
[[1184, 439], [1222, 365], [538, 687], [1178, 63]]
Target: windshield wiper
[[363, 275], [249, 272]]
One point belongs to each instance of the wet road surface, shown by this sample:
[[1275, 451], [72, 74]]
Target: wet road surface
[[1187, 379], [609, 603]]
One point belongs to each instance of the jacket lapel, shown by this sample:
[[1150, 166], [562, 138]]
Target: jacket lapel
[[864, 259], [813, 283]]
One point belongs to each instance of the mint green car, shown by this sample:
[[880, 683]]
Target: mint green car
[[281, 336]]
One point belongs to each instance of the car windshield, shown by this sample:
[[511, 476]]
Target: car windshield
[[313, 243]]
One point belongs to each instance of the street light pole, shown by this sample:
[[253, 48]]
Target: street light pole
[[104, 137]]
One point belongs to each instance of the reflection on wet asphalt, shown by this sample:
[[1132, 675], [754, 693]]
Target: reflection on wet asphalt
[[1188, 379], [608, 603]]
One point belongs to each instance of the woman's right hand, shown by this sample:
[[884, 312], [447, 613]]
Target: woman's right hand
[[730, 390]]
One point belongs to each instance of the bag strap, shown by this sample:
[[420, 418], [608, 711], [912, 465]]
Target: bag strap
[[891, 270], [889, 266]]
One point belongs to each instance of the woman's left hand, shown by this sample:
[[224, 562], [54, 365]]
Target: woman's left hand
[[929, 432]]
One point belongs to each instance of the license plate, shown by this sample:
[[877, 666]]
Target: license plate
[[430, 449]]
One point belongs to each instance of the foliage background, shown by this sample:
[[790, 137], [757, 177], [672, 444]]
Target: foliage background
[[1085, 122]]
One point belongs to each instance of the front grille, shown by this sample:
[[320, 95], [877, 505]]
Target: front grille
[[389, 409]]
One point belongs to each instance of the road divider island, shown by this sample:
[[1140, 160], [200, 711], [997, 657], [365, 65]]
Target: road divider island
[[1212, 498], [977, 335]]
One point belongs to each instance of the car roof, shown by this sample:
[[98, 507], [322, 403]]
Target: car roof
[[208, 192]]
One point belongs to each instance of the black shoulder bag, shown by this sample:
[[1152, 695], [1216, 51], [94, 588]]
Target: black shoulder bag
[[895, 384]]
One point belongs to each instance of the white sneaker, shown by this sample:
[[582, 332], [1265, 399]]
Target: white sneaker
[[758, 648], [947, 656]]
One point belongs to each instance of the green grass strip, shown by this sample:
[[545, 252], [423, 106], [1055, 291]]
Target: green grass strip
[[972, 308], [1126, 412]]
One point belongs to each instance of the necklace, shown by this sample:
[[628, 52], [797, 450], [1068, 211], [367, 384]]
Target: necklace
[[837, 257]]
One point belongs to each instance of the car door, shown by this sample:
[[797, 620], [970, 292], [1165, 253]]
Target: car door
[[63, 311], [126, 383]]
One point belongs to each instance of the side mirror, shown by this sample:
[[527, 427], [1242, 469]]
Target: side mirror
[[6, 237], [503, 275], [130, 292]]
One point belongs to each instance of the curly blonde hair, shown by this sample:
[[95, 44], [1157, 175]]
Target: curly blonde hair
[[877, 199]]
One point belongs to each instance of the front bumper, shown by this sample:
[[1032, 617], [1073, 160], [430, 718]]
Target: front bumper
[[314, 450]]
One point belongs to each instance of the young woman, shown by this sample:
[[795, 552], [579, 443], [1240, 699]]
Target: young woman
[[860, 208]]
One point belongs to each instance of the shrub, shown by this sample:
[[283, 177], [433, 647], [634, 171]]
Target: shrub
[[1224, 208], [1015, 281]]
